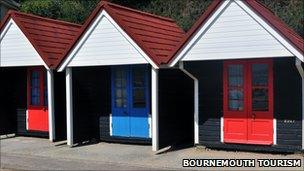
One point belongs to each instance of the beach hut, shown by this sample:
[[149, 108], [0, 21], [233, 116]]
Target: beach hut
[[247, 66], [117, 89], [32, 92]]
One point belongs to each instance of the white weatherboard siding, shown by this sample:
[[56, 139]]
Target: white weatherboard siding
[[235, 34], [106, 45], [16, 50]]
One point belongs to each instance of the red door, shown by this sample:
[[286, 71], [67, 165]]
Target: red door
[[37, 113], [248, 102]]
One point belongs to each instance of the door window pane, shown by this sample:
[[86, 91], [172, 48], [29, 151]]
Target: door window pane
[[139, 87], [260, 87], [35, 88], [235, 87], [260, 99], [235, 73], [236, 105], [120, 88], [259, 74]]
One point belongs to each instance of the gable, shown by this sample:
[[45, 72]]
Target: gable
[[235, 34], [16, 50], [104, 43]]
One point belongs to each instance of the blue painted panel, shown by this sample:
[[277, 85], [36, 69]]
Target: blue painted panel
[[120, 107], [140, 102]]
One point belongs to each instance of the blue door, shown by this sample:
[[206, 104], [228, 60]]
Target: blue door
[[130, 101]]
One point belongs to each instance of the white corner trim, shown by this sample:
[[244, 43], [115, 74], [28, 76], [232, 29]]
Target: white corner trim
[[69, 106], [301, 72], [89, 31], [111, 125], [271, 30], [202, 30], [51, 109], [196, 102], [26, 113], [154, 105], [222, 129], [7, 27], [149, 122], [274, 131]]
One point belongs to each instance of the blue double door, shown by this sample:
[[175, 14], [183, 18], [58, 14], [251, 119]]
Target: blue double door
[[130, 101]]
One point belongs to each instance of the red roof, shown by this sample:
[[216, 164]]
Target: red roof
[[257, 7], [51, 38], [156, 36]]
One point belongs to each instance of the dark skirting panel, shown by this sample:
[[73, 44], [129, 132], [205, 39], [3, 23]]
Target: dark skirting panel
[[287, 105], [60, 106], [176, 108], [288, 102], [210, 77], [91, 102], [13, 100]]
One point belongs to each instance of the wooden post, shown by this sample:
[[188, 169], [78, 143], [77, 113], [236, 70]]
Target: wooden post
[[154, 96], [69, 106], [51, 109]]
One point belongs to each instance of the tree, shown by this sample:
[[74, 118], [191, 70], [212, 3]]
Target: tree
[[75, 11], [185, 12]]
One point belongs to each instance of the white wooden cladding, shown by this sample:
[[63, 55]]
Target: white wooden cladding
[[235, 34], [16, 50], [106, 45]]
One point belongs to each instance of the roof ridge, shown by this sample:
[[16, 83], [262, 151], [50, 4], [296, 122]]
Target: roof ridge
[[45, 18], [138, 11]]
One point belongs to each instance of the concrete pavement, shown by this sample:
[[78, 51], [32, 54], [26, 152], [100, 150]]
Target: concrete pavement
[[35, 153]]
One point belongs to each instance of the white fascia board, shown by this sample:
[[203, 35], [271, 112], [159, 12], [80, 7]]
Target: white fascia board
[[201, 31], [271, 30], [87, 34], [5, 30]]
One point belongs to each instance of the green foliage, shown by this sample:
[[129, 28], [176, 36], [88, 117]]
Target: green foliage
[[185, 12], [290, 11], [69, 10]]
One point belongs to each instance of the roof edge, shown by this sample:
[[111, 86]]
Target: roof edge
[[47, 19], [133, 37], [201, 20], [82, 31], [141, 12]]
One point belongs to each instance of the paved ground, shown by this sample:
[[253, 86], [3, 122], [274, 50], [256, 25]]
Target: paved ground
[[39, 154]]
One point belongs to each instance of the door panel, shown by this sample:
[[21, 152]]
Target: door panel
[[260, 115], [248, 102], [235, 115], [130, 101], [120, 109], [37, 113], [140, 102]]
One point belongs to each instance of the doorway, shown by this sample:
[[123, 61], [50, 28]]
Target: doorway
[[130, 101], [248, 102], [37, 113]]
